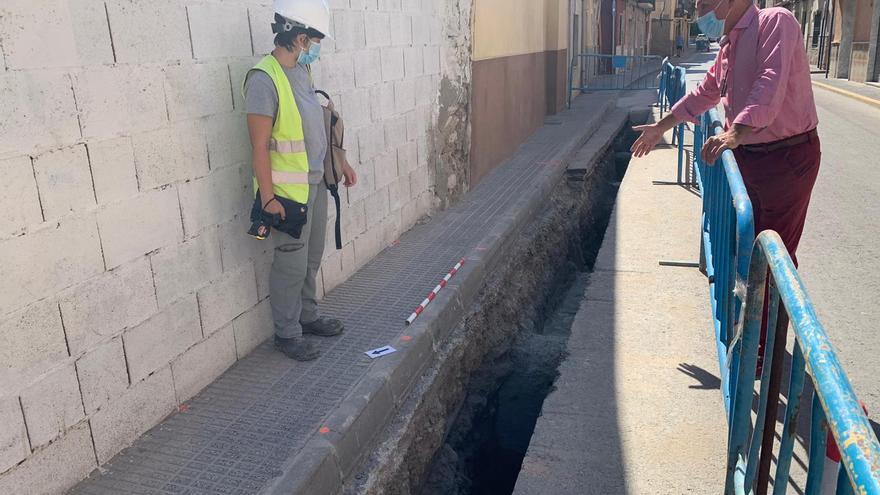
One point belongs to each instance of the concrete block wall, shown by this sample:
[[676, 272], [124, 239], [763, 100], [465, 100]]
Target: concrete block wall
[[128, 282]]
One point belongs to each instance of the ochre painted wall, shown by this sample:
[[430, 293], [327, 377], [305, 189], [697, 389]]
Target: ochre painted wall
[[504, 28], [519, 75]]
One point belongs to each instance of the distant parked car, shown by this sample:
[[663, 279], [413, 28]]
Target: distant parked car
[[702, 43]]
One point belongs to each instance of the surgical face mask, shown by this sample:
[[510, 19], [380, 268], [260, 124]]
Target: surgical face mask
[[710, 24], [310, 56]]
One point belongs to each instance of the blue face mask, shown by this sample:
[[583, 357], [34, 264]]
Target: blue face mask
[[711, 25], [309, 57]]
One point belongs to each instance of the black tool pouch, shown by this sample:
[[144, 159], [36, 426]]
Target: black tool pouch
[[292, 225]]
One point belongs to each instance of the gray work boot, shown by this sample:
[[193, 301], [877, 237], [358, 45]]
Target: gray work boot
[[297, 348], [323, 327]]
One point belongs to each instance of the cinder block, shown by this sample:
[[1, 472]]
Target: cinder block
[[366, 247], [407, 158], [425, 118], [349, 267], [413, 61], [227, 297], [382, 101], [52, 405], [139, 225], [19, 200], [118, 100], [404, 96], [419, 181], [228, 141], [366, 182], [411, 6], [392, 64], [197, 90], [349, 30], [113, 170], [238, 69], [371, 142], [43, 262], [393, 5], [252, 328], [386, 169], [395, 131], [398, 193], [30, 341], [263, 269], [331, 270], [107, 304], [432, 59], [401, 29], [410, 214], [203, 363], [181, 269], [55, 468], [421, 30], [77, 28], [103, 375], [377, 28], [354, 220], [367, 68], [175, 153], [120, 422], [211, 200], [219, 30], [377, 206], [261, 19], [64, 181], [236, 246], [337, 72], [355, 109], [154, 31], [391, 228], [159, 340], [13, 436], [424, 151], [38, 112]]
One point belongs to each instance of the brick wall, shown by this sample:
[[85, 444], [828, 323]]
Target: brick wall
[[128, 283]]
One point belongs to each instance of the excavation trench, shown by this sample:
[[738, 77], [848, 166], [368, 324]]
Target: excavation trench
[[467, 429]]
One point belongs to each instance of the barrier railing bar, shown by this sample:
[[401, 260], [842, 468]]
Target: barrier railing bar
[[834, 397]]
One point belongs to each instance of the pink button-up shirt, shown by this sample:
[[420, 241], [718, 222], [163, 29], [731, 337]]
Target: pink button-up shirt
[[762, 77]]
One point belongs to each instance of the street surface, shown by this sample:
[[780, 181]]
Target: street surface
[[839, 253]]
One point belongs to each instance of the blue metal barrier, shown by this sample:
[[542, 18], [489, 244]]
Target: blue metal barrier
[[834, 405], [728, 231], [672, 87], [737, 267], [601, 72]]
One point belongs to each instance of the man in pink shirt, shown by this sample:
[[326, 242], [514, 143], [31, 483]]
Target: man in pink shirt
[[762, 77]]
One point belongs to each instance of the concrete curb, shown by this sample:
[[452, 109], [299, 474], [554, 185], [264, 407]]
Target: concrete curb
[[347, 435], [849, 94]]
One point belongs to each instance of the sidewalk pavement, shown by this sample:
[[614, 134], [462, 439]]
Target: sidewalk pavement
[[272, 425], [637, 407], [864, 92]]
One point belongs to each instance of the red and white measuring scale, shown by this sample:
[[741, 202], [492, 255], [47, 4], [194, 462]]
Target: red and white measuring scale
[[434, 292]]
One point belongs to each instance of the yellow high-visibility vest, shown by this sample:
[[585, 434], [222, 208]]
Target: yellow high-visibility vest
[[287, 149]]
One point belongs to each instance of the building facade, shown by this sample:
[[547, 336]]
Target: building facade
[[842, 36]]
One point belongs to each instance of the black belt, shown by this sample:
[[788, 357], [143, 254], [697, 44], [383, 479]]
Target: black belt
[[782, 143]]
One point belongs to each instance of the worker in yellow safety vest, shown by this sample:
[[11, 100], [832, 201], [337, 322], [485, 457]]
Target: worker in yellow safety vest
[[288, 135]]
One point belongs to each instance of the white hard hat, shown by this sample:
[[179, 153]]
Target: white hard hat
[[313, 14]]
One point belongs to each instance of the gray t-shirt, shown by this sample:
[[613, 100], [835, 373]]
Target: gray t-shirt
[[261, 98]]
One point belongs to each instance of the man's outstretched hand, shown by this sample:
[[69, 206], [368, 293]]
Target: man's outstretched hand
[[651, 135]]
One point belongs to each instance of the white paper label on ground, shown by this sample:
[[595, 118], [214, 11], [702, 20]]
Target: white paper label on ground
[[382, 351]]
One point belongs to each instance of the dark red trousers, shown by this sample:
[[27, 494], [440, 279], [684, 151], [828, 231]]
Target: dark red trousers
[[780, 184]]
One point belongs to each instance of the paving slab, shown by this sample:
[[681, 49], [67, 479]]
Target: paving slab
[[636, 408], [272, 425]]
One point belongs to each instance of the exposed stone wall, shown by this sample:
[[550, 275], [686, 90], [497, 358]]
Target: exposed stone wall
[[128, 283]]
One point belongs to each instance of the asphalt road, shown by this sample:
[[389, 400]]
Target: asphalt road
[[840, 250]]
